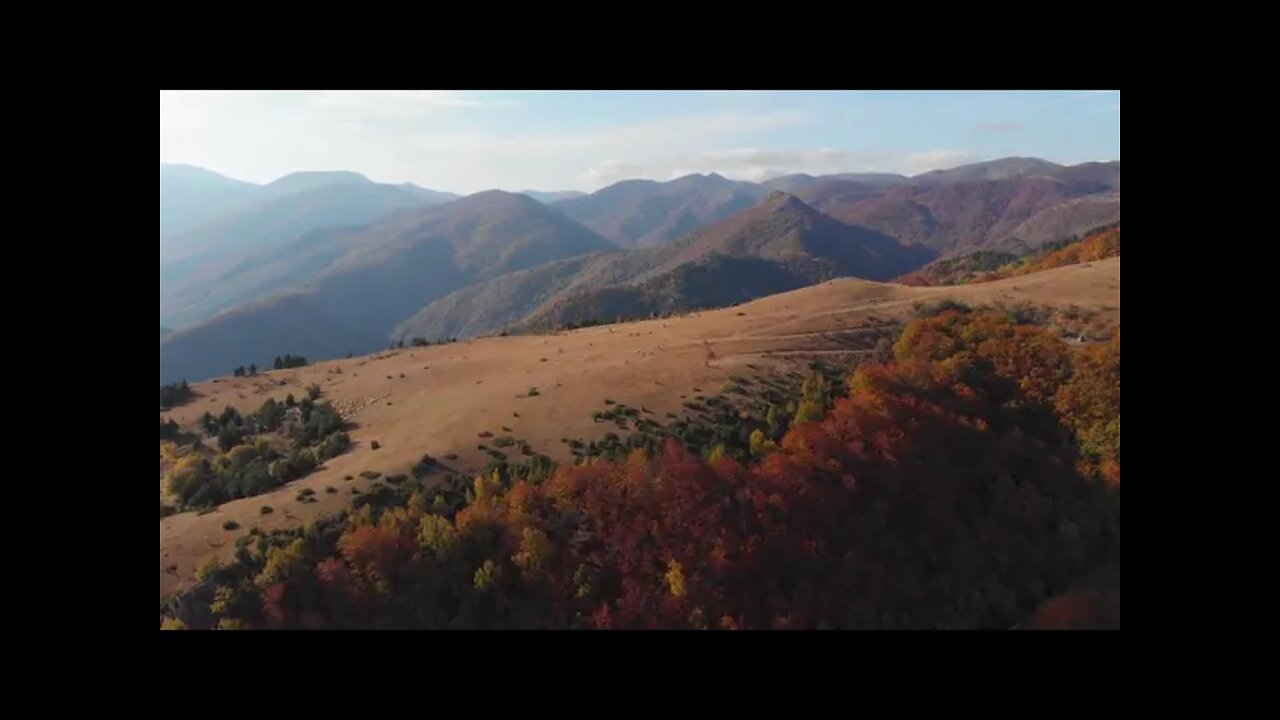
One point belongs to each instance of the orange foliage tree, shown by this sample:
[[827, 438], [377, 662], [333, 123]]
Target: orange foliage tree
[[944, 492]]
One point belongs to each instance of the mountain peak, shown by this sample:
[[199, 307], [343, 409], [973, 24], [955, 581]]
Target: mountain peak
[[181, 172], [312, 179], [183, 169], [696, 178], [998, 169], [500, 198], [779, 201]]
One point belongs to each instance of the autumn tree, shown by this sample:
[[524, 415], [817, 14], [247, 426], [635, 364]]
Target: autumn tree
[[816, 396], [1089, 403], [776, 419], [942, 492], [759, 444]]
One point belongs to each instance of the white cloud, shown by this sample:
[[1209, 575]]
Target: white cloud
[[590, 160], [757, 165], [425, 137], [419, 136], [260, 136]]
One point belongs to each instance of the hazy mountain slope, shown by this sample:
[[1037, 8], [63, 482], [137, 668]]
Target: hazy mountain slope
[[644, 213], [1002, 169], [714, 281], [256, 333], [192, 198], [787, 243], [554, 196], [778, 245], [279, 218], [201, 260], [884, 180], [433, 197], [990, 204], [783, 228], [507, 299], [190, 195], [502, 301], [1093, 173], [793, 183], [375, 278], [836, 193], [252, 275], [958, 270], [1097, 243], [381, 259], [309, 180], [959, 217], [1072, 217], [1100, 175]]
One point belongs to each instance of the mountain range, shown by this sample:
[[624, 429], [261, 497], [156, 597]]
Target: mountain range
[[352, 288], [780, 244], [776, 245], [193, 198], [644, 213], [324, 264]]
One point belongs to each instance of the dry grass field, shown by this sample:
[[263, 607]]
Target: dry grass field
[[438, 399]]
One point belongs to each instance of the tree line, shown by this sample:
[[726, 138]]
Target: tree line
[[258, 452]]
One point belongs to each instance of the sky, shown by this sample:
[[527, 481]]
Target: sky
[[466, 142]]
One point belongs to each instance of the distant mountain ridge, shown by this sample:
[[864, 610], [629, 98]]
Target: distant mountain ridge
[[1004, 168], [312, 179], [551, 197], [369, 280], [800, 181], [190, 195], [325, 263], [778, 244], [645, 213], [954, 214], [198, 266]]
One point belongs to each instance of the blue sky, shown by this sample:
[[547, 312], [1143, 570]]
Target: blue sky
[[558, 140]]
